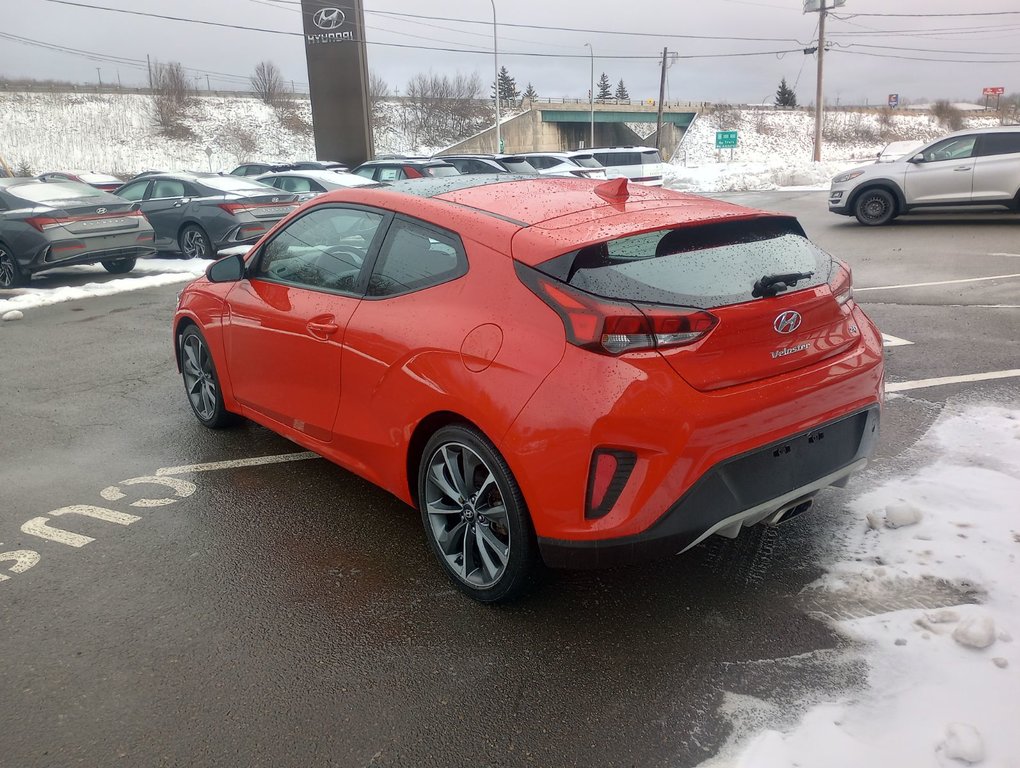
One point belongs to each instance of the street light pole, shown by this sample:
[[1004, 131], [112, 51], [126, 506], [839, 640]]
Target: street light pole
[[819, 94], [591, 94], [495, 67]]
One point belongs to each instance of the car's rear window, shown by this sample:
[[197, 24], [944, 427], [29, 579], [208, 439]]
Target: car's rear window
[[233, 184], [586, 161], [703, 266], [54, 191], [517, 165], [440, 170]]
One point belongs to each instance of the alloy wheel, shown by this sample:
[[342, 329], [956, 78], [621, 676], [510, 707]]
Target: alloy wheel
[[193, 244], [8, 270], [467, 515], [199, 378]]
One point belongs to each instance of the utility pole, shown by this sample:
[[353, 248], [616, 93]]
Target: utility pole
[[591, 96], [819, 105], [495, 69], [148, 65], [662, 95], [208, 85], [99, 73]]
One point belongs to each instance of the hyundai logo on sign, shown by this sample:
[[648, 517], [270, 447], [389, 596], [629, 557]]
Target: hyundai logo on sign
[[787, 322], [328, 18]]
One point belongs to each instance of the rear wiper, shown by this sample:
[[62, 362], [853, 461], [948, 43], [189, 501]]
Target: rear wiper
[[770, 285]]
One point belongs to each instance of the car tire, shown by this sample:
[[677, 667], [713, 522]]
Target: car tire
[[475, 518], [875, 207], [119, 266], [201, 383], [11, 274], [194, 243]]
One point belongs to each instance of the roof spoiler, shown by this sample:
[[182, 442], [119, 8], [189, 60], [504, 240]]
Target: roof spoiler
[[614, 190]]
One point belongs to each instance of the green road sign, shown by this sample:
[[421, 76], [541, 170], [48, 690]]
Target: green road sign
[[725, 139]]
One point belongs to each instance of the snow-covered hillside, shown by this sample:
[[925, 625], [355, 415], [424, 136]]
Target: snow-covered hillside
[[775, 146]]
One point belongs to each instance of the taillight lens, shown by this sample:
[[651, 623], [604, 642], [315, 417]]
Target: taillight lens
[[235, 208], [616, 327], [43, 223], [842, 284]]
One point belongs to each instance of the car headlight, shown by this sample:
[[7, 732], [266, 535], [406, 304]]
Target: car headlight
[[845, 177]]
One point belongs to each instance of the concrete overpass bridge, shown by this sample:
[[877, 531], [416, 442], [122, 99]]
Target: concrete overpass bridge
[[555, 126]]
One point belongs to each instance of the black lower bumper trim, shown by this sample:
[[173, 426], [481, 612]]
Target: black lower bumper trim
[[733, 486]]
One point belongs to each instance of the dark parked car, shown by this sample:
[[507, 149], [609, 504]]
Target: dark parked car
[[44, 225], [198, 213], [397, 169], [472, 164], [103, 181]]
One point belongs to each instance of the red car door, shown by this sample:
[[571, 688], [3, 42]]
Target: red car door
[[285, 325]]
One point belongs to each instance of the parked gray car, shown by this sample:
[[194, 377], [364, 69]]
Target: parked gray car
[[45, 225], [199, 213]]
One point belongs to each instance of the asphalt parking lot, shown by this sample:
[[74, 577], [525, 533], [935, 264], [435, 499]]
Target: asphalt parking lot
[[191, 604]]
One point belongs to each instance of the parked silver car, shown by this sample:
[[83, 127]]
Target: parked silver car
[[45, 225], [196, 214], [308, 184], [560, 164], [979, 167]]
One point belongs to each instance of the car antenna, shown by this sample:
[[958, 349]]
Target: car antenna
[[614, 191]]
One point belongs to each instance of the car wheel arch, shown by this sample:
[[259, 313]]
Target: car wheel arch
[[889, 186], [182, 325], [420, 436]]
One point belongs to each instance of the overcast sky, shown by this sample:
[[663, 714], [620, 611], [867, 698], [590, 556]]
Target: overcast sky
[[850, 77]]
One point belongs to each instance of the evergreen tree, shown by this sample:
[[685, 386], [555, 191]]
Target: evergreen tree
[[531, 94], [507, 87], [785, 97], [605, 89], [621, 91]]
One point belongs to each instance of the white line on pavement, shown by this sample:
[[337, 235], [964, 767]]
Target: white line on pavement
[[939, 282], [901, 386], [254, 462], [894, 341], [1017, 255]]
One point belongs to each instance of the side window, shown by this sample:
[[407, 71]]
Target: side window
[[166, 188], [295, 184], [386, 173], [368, 172], [414, 257], [134, 192], [323, 249], [956, 148], [1000, 144]]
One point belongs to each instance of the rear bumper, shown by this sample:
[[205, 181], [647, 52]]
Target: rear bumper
[[48, 258], [738, 492]]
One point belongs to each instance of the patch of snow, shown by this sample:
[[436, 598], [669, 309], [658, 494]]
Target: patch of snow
[[919, 695], [14, 314], [902, 514], [156, 272]]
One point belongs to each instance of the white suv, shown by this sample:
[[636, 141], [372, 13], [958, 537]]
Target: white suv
[[968, 168], [642, 165]]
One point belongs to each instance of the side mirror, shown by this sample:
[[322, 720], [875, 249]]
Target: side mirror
[[918, 158], [229, 269]]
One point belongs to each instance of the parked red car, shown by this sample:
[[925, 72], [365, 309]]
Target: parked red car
[[551, 369]]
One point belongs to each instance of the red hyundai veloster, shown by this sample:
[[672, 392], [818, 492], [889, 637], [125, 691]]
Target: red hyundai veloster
[[549, 369]]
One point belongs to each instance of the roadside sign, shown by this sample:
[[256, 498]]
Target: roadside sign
[[997, 90], [894, 100], [725, 139], [813, 6]]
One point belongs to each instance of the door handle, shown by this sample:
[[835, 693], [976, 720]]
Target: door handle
[[962, 168], [321, 330]]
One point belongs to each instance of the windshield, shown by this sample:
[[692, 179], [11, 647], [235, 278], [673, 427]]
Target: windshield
[[55, 192], [233, 184], [517, 165], [703, 266], [586, 161]]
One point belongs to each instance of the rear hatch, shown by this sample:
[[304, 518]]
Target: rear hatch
[[726, 303], [249, 196], [78, 210]]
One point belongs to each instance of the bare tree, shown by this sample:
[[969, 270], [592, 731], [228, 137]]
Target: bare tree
[[438, 109], [238, 141], [267, 83], [172, 97], [378, 92]]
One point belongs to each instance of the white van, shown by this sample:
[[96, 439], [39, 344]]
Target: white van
[[642, 165]]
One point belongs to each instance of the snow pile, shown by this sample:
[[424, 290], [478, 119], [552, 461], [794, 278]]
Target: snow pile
[[775, 146], [156, 272], [942, 684]]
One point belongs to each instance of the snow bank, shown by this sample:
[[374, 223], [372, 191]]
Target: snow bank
[[156, 272], [775, 147], [941, 687]]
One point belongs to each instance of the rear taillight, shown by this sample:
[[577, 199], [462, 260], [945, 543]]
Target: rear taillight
[[607, 476], [842, 284], [615, 327], [235, 208], [43, 223]]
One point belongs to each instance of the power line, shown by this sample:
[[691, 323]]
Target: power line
[[927, 50], [937, 15], [920, 58]]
